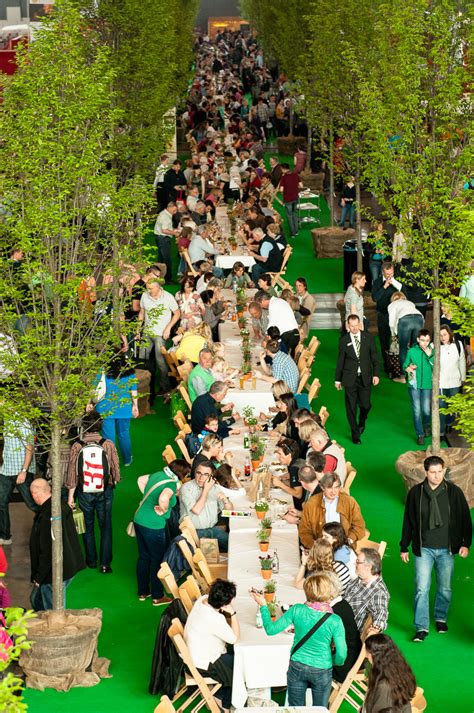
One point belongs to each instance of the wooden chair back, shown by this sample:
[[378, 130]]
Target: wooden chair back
[[179, 420], [323, 415], [182, 447], [185, 395], [184, 370], [313, 389], [168, 455], [171, 363], [365, 542], [189, 265], [314, 345], [299, 349], [353, 689], [418, 702], [189, 592], [304, 377], [350, 477], [305, 360], [167, 579], [164, 706], [203, 567], [286, 256], [188, 525], [195, 571], [207, 687]]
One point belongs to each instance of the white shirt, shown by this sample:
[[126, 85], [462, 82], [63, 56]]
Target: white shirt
[[281, 315], [206, 634], [331, 510], [155, 323], [191, 202], [199, 248], [163, 222], [353, 340], [453, 366], [160, 174], [397, 310], [467, 289]]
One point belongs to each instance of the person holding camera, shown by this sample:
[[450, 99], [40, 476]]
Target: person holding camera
[[202, 500]]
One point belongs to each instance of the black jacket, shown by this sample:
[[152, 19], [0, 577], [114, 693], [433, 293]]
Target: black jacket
[[348, 364], [382, 296], [41, 545], [166, 666], [204, 406], [354, 644], [460, 525]]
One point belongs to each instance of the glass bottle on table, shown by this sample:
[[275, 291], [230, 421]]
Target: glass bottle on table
[[247, 467], [258, 619], [276, 563]]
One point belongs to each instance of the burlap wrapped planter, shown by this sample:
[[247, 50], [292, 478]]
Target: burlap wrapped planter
[[287, 145], [143, 389], [314, 181], [459, 462], [369, 312], [64, 652], [328, 242]]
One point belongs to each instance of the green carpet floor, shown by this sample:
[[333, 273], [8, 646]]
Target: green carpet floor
[[441, 664]]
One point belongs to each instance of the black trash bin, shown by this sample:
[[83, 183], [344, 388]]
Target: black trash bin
[[350, 262]]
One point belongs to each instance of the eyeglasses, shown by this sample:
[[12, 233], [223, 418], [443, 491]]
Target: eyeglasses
[[358, 561], [200, 474]]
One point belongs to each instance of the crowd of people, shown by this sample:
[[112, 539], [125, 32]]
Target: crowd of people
[[235, 104]]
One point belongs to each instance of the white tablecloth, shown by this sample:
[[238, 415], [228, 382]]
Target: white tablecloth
[[226, 262]]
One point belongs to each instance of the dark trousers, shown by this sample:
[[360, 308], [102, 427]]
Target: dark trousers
[[357, 399], [160, 197], [291, 339], [163, 243], [384, 335], [408, 328], [99, 504], [152, 546], [222, 671], [7, 486]]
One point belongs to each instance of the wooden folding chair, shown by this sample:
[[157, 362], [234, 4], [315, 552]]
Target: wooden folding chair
[[313, 389], [209, 572], [180, 422], [354, 687], [304, 376], [167, 579], [164, 706], [168, 455], [305, 360], [313, 345], [182, 447], [195, 571], [184, 393], [299, 349], [184, 370], [418, 702], [187, 524], [189, 265], [365, 542], [171, 363], [188, 592], [323, 415], [286, 256], [282, 283], [350, 477], [205, 687]]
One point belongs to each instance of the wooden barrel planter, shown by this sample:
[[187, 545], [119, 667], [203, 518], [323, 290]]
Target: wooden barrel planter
[[459, 463], [328, 242], [64, 652]]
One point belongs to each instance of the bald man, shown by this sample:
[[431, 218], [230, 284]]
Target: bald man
[[41, 547]]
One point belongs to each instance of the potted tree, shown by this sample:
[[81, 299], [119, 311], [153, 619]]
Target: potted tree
[[266, 566], [269, 590], [263, 538], [261, 507]]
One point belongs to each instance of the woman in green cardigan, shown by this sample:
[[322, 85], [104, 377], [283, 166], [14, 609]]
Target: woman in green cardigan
[[311, 660]]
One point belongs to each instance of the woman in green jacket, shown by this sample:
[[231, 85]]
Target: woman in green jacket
[[319, 589], [418, 365]]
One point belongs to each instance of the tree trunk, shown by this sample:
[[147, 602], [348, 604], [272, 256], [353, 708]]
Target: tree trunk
[[308, 148], [118, 326], [56, 523], [435, 425], [331, 174], [291, 118], [358, 219]]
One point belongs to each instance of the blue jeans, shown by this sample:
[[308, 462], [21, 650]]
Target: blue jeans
[[152, 546], [257, 270], [121, 427], [421, 408], [291, 209], [301, 676], [446, 419], [99, 504], [443, 562], [42, 597], [347, 210], [221, 536], [407, 332], [375, 267], [7, 486]]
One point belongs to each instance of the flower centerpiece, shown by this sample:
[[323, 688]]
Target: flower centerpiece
[[249, 419], [269, 590], [263, 538], [266, 566]]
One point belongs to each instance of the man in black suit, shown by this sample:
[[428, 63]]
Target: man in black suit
[[357, 369]]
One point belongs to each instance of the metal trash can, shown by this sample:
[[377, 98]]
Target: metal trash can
[[349, 252]]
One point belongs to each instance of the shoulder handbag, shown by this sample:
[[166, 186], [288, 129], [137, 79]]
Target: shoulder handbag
[[309, 633], [131, 525]]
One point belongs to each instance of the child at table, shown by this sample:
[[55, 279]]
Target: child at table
[[226, 477], [238, 277], [221, 370]]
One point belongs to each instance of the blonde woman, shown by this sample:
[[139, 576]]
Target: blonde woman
[[405, 321], [354, 297], [320, 558]]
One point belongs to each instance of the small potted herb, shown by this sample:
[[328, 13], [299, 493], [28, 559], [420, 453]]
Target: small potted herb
[[267, 525], [269, 590], [263, 538], [261, 507], [266, 566], [272, 608]]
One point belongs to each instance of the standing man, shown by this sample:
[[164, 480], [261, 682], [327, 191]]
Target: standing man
[[289, 184], [164, 231], [41, 547], [282, 316], [382, 290], [160, 311], [437, 524], [17, 470], [357, 369]]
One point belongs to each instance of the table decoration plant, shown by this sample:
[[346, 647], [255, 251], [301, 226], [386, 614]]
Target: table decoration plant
[[261, 507], [269, 590], [272, 608], [266, 566], [263, 537]]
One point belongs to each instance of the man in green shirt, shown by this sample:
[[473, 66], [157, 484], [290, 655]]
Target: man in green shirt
[[200, 379]]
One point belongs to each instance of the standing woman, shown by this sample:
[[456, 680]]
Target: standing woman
[[405, 321], [119, 405], [452, 372], [392, 684], [159, 498], [307, 303], [354, 298], [316, 618], [190, 304]]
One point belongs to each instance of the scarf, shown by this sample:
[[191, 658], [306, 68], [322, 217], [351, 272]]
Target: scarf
[[435, 519], [320, 606]]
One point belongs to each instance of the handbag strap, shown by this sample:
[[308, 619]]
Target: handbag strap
[[310, 633], [155, 486]]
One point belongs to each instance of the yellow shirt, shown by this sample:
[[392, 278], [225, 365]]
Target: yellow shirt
[[190, 346]]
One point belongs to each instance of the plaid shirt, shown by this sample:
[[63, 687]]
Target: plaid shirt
[[368, 599], [284, 368], [17, 434]]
